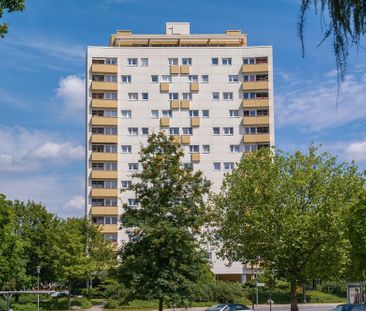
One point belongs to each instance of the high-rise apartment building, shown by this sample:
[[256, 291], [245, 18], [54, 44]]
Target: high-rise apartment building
[[212, 92]]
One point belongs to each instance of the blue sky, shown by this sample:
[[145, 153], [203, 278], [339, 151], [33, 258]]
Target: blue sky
[[43, 65]]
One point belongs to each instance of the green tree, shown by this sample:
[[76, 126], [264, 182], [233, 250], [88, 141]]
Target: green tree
[[163, 259], [356, 233], [343, 20], [10, 6], [289, 211], [12, 262]]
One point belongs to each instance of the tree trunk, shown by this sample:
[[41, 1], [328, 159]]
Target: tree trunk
[[294, 306], [160, 304]]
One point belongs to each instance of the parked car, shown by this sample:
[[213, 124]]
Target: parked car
[[229, 307], [350, 307]]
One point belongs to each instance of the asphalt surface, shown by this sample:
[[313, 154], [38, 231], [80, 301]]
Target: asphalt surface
[[302, 307]]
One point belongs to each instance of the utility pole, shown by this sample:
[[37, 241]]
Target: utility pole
[[38, 272]]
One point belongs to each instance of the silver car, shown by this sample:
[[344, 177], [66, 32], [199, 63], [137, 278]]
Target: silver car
[[350, 307], [229, 307]]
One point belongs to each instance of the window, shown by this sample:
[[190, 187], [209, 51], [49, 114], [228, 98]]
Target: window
[[187, 61], [104, 202], [228, 131], [256, 130], [250, 147], [187, 96], [111, 61], [193, 78], [126, 149], [215, 95], [226, 61], [125, 184], [132, 61], [234, 113], [233, 78], [234, 148], [187, 130], [110, 131], [216, 131], [250, 113], [144, 96], [217, 166], [262, 112], [110, 95], [228, 96], [173, 96], [110, 78], [154, 114], [133, 167], [98, 166], [194, 148], [263, 130], [110, 148], [204, 79], [174, 130], [133, 131], [228, 166], [155, 79], [166, 78], [205, 113], [214, 61], [126, 114], [144, 62], [110, 184], [187, 165], [133, 96], [132, 202], [255, 60], [145, 131], [255, 95], [126, 79], [112, 237], [167, 113], [110, 220], [193, 113], [248, 78], [206, 148], [172, 61]]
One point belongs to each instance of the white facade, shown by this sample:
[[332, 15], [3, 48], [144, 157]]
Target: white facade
[[141, 104]]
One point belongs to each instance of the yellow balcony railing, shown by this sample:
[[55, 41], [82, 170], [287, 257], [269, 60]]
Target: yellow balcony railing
[[103, 121], [105, 139], [174, 104], [256, 138], [261, 120], [195, 122], [104, 156], [255, 103], [254, 68], [104, 86], [104, 193], [174, 69], [104, 103], [185, 139], [104, 174], [103, 68]]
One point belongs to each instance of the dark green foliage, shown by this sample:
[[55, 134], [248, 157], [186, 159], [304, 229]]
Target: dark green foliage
[[163, 259], [343, 20], [9, 6]]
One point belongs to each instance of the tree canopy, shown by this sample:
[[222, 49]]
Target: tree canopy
[[286, 212], [342, 20], [163, 259], [10, 6]]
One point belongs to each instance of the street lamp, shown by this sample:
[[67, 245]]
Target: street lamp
[[38, 272], [273, 273]]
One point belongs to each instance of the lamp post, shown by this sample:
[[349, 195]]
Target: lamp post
[[38, 272], [274, 272]]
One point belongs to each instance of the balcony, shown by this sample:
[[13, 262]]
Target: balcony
[[104, 103], [185, 139], [185, 104], [195, 157], [164, 87], [104, 139], [104, 156], [255, 103], [102, 193], [104, 86], [174, 69], [164, 122], [176, 139], [104, 174], [174, 104], [103, 68], [195, 122], [255, 85], [184, 70], [256, 138], [103, 210], [104, 121], [254, 68], [194, 87], [109, 228], [261, 120]]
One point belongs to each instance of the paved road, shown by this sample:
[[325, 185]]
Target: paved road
[[302, 307]]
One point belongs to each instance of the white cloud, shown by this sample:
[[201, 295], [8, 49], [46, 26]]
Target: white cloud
[[71, 91], [312, 107], [61, 195], [29, 150], [76, 203], [356, 151]]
